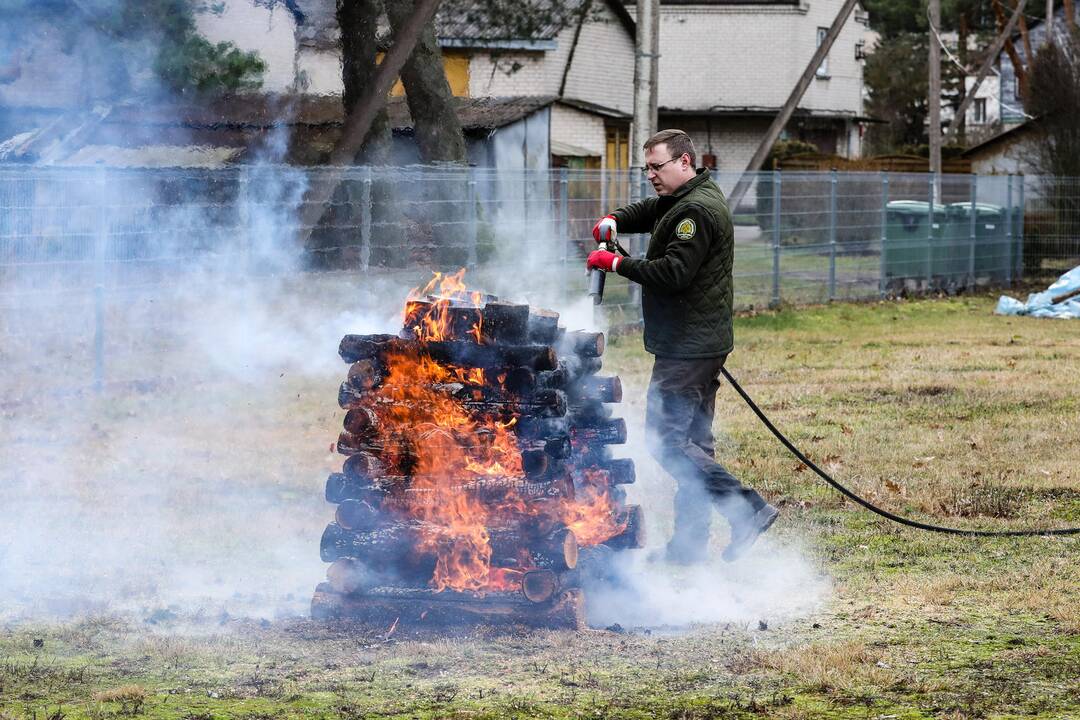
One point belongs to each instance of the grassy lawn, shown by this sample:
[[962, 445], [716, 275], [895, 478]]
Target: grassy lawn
[[209, 494]]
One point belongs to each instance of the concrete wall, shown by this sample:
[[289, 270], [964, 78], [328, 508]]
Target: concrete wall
[[602, 71], [574, 127], [731, 140], [1004, 158], [734, 56]]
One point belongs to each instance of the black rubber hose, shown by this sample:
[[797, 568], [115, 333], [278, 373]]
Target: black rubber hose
[[869, 505]]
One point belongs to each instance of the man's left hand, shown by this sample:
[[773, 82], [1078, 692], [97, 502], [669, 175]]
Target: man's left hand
[[603, 260]]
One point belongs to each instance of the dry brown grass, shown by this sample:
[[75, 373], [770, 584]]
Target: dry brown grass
[[844, 666], [131, 698]]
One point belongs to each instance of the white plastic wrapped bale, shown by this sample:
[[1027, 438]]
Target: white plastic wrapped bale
[[1042, 304]]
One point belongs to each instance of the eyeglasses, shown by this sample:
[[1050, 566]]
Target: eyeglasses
[[655, 167]]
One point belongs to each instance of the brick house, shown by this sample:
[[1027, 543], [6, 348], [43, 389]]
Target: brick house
[[587, 69], [727, 66]]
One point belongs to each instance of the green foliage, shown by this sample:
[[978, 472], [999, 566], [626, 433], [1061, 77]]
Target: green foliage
[[896, 80], [185, 60], [197, 64]]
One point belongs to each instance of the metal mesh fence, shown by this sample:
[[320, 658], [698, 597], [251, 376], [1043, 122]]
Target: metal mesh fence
[[96, 263]]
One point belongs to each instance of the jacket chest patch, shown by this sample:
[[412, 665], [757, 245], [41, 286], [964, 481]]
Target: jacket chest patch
[[685, 229]]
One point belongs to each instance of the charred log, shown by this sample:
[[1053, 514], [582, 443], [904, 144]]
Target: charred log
[[607, 432], [598, 389], [359, 515], [419, 608], [361, 421], [621, 471], [505, 324], [462, 354], [543, 326], [403, 540], [584, 344], [388, 490], [539, 585], [633, 536]]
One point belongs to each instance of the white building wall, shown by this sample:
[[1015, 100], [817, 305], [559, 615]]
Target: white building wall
[[988, 91], [318, 72], [603, 67], [574, 127], [268, 31], [734, 56], [602, 71], [502, 73], [732, 140]]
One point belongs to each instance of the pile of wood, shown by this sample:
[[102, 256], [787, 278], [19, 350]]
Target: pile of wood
[[539, 382]]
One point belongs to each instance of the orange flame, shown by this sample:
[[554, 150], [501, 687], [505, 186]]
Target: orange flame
[[444, 444]]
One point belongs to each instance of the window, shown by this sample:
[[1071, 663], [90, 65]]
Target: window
[[979, 114], [823, 68]]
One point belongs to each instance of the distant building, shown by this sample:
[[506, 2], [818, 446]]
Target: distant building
[[1007, 153], [728, 66], [1011, 102], [585, 72]]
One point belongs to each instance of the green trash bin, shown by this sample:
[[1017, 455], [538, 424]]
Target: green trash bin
[[912, 250], [994, 253]]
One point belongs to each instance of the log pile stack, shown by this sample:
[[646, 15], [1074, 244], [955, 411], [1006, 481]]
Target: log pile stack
[[478, 469]]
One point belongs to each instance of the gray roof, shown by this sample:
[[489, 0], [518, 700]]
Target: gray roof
[[467, 20], [264, 111], [461, 23]]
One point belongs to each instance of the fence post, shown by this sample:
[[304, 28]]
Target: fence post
[[832, 235], [930, 234], [882, 277], [100, 248], [365, 217], [243, 217], [776, 238], [470, 215], [973, 230], [1008, 229]]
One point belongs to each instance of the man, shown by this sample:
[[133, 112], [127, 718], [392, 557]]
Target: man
[[686, 279]]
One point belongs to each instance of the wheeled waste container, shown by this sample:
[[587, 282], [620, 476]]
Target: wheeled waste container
[[916, 243], [992, 255]]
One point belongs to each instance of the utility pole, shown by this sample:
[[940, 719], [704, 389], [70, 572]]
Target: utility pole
[[645, 73], [935, 90]]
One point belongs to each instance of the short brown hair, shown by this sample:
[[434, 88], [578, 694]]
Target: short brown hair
[[677, 141]]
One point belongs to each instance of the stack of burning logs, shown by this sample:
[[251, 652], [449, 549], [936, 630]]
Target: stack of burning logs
[[478, 483]]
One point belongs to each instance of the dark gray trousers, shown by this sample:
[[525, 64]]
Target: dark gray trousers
[[679, 412]]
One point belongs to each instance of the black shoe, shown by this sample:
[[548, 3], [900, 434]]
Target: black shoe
[[744, 534]]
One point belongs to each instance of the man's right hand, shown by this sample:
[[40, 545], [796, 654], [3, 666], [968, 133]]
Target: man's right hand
[[604, 229]]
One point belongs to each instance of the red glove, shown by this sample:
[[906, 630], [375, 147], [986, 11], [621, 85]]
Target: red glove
[[604, 229], [603, 260]]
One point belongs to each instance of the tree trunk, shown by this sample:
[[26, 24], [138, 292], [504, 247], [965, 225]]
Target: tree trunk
[[439, 139], [435, 122], [358, 20], [1070, 15], [1010, 50]]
